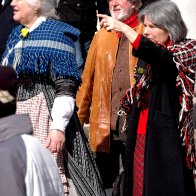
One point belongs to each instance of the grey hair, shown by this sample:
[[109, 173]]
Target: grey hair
[[166, 15], [137, 4], [33, 2], [48, 7]]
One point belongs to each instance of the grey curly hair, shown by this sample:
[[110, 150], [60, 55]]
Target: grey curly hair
[[47, 7]]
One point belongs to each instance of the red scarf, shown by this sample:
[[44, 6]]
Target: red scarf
[[132, 22]]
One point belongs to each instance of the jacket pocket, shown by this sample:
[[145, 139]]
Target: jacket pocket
[[165, 120]]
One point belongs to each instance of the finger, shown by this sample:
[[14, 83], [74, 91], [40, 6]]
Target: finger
[[48, 141], [53, 147], [108, 28], [105, 24], [102, 22], [58, 146], [102, 15]]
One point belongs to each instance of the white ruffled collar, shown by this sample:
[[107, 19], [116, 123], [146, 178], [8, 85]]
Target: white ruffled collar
[[37, 23]]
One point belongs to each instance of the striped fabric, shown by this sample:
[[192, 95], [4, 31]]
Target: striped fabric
[[138, 165], [80, 161]]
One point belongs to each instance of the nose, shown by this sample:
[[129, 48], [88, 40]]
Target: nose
[[12, 3], [114, 2], [146, 31]]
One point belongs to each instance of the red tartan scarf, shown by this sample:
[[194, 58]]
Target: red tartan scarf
[[184, 54], [132, 22], [185, 59]]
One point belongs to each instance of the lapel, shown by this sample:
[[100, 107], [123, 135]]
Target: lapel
[[132, 59]]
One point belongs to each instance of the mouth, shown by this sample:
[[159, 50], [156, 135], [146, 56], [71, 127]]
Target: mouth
[[116, 10], [15, 11]]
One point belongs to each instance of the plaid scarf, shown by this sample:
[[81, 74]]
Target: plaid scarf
[[184, 55], [185, 59]]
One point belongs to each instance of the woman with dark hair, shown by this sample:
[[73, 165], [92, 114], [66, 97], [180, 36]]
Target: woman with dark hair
[[160, 150], [42, 51]]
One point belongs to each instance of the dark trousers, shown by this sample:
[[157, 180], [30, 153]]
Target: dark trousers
[[109, 163]]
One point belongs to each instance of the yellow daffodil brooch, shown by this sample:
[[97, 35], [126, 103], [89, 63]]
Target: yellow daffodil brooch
[[140, 70], [24, 32]]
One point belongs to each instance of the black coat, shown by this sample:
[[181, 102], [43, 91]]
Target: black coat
[[6, 24], [80, 14], [165, 170]]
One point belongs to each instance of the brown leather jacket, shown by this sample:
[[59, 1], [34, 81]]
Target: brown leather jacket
[[94, 96]]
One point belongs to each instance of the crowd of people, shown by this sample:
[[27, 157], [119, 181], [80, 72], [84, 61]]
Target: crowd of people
[[131, 79]]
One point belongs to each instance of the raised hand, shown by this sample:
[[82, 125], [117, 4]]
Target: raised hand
[[110, 23]]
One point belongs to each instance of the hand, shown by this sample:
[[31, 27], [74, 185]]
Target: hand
[[55, 141], [110, 23]]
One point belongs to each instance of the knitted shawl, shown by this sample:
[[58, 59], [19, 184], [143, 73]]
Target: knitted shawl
[[47, 49], [184, 56]]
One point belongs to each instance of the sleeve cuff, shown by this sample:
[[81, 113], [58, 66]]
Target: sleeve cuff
[[62, 111], [59, 124], [136, 43]]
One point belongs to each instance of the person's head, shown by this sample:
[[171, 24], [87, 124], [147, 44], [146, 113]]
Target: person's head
[[163, 22], [8, 91], [27, 11], [123, 9]]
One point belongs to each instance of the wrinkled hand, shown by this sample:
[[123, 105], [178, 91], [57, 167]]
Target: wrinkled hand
[[110, 23], [55, 141]]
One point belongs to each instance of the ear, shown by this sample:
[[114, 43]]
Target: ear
[[37, 6], [133, 7], [170, 37]]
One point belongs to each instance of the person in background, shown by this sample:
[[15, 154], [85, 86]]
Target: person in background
[[6, 23], [160, 151], [26, 165], [102, 7], [82, 15], [146, 2], [42, 51], [108, 73]]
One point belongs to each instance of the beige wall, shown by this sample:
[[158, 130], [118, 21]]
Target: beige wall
[[188, 10]]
